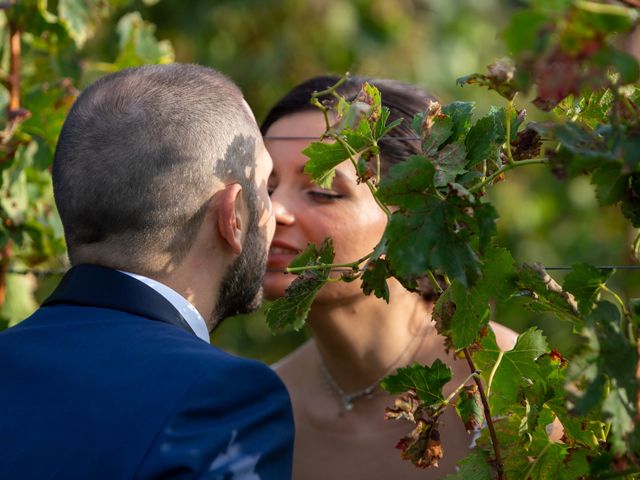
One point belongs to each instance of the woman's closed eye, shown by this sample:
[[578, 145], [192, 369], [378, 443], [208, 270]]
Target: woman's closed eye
[[324, 195]]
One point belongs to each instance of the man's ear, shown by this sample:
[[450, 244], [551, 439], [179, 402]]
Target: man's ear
[[230, 222]]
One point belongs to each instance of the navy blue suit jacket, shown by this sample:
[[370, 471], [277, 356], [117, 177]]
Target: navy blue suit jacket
[[107, 381]]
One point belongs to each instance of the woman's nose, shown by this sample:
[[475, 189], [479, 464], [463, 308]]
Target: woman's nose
[[283, 215]]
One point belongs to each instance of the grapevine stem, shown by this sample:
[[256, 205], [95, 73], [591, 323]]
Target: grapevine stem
[[487, 415], [434, 282], [635, 247], [329, 91], [493, 371], [325, 112], [324, 266], [13, 81], [626, 325], [596, 7], [372, 189], [533, 464], [377, 157], [616, 297], [506, 168], [447, 400], [508, 129]]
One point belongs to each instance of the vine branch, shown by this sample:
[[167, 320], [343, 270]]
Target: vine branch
[[487, 415], [506, 168], [325, 266], [508, 132], [13, 109]]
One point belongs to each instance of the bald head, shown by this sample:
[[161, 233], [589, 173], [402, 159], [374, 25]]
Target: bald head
[[140, 155]]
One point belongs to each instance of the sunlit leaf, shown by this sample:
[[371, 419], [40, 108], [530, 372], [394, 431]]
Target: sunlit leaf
[[426, 381]]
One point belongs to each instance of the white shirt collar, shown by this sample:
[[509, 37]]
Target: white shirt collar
[[186, 309]]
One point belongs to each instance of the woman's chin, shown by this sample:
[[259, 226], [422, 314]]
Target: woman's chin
[[275, 284]]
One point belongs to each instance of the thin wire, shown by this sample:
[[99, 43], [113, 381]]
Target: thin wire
[[278, 137], [47, 273], [600, 267]]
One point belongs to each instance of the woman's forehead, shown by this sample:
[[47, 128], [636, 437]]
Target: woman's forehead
[[293, 133], [300, 124]]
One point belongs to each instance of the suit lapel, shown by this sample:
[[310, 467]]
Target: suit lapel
[[96, 286]]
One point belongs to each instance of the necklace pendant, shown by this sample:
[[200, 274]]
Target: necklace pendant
[[347, 405]]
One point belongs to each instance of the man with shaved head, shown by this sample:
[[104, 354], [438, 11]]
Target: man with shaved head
[[160, 178]]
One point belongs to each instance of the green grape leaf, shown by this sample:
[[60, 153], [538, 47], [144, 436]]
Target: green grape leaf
[[579, 150], [381, 127], [586, 430], [426, 381], [471, 314], [460, 114], [620, 410], [407, 183], [634, 311], [610, 21], [469, 408], [546, 293], [551, 6], [449, 163], [80, 17], [623, 63], [462, 314], [610, 183], [523, 31], [434, 127], [482, 141], [630, 154], [485, 215], [426, 238], [576, 464], [475, 466], [512, 368], [138, 43], [499, 77], [498, 280], [438, 134], [592, 108], [606, 365], [537, 459], [352, 117], [323, 160], [292, 309], [584, 282], [630, 205], [549, 461], [325, 157], [374, 279]]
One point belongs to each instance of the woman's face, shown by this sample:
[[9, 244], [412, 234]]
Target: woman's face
[[306, 213]]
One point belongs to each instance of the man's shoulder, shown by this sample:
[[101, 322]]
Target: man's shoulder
[[131, 343], [153, 383]]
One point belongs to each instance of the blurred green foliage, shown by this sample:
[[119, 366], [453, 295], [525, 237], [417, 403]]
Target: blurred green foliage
[[267, 47]]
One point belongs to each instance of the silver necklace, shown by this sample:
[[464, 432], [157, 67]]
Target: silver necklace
[[346, 399]]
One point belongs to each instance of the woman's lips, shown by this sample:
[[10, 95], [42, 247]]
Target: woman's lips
[[280, 256]]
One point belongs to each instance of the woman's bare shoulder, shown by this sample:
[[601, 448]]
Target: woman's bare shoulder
[[291, 367], [505, 337]]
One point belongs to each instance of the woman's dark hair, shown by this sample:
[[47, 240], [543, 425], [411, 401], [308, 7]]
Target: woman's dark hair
[[402, 99]]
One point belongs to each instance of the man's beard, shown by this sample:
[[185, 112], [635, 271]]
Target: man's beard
[[241, 288]]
